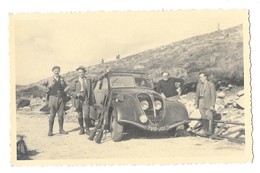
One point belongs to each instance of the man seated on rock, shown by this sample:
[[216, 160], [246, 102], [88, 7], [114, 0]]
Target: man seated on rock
[[169, 87]]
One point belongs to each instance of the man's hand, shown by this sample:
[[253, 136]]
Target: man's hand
[[178, 91]]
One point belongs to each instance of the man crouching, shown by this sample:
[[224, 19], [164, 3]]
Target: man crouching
[[82, 98]]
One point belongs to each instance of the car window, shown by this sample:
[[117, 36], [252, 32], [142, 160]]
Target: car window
[[143, 82], [122, 81]]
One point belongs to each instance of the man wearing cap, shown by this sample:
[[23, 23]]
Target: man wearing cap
[[81, 90], [54, 87]]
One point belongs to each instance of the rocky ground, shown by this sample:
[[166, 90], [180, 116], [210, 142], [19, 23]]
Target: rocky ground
[[33, 123], [135, 145]]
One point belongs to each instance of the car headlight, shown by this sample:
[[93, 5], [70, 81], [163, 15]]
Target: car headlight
[[143, 118], [144, 104], [158, 104]]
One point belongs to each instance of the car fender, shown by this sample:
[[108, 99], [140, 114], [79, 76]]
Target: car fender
[[176, 112], [128, 111]]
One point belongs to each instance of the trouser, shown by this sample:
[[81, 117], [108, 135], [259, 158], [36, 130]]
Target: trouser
[[206, 116], [83, 111], [56, 105]]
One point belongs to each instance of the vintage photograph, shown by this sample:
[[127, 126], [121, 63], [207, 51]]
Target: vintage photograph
[[153, 87]]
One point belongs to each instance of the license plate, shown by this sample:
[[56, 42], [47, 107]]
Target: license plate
[[155, 128]]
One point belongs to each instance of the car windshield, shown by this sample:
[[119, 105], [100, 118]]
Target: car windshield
[[129, 81], [122, 81], [143, 82]]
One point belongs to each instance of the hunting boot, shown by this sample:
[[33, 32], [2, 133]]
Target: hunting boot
[[87, 126], [51, 122], [80, 120], [204, 127], [210, 128], [62, 131]]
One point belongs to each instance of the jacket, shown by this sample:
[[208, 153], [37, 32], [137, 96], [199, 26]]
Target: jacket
[[209, 94], [47, 85], [75, 87]]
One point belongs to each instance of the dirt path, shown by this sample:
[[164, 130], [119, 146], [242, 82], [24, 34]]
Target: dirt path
[[74, 146]]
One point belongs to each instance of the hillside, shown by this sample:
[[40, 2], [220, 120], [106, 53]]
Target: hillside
[[219, 52]]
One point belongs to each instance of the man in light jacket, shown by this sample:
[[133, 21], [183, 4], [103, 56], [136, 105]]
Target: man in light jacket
[[81, 90], [205, 100]]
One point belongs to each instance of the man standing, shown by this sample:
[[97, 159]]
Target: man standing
[[81, 90], [205, 100], [56, 96], [168, 87]]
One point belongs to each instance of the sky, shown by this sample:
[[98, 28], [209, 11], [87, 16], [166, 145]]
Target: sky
[[41, 41]]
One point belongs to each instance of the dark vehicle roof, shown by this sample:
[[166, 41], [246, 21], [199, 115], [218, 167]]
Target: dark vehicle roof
[[126, 71]]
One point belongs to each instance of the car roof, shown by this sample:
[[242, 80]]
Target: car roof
[[126, 71]]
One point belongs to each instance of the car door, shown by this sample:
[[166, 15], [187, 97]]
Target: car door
[[101, 90]]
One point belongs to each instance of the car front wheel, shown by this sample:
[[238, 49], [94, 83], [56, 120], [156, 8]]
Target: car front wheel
[[115, 129]]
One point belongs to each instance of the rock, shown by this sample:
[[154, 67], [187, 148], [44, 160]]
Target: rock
[[22, 103], [240, 93], [27, 108], [240, 102], [138, 67], [195, 114], [221, 94], [224, 112], [234, 104], [44, 108], [230, 86]]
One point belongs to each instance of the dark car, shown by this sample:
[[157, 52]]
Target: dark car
[[129, 99]]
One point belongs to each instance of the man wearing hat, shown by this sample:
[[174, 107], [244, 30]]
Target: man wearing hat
[[81, 90], [54, 87]]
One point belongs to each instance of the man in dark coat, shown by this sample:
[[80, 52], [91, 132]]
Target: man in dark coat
[[168, 87], [81, 90], [205, 100], [56, 96]]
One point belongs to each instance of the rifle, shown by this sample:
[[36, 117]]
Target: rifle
[[101, 132], [101, 124], [98, 126]]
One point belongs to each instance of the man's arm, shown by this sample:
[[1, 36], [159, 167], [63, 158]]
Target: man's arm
[[72, 89], [181, 81], [197, 96], [213, 94]]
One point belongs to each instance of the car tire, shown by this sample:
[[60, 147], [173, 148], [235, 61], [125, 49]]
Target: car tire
[[172, 131], [116, 129]]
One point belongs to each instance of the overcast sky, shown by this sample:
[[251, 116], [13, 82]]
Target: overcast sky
[[69, 40]]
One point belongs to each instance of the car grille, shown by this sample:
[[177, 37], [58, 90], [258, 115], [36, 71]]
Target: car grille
[[154, 116]]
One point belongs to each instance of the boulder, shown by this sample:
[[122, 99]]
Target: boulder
[[44, 108], [240, 102], [138, 67], [224, 112], [195, 114], [27, 108], [230, 86], [22, 103], [221, 94], [240, 93]]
